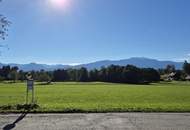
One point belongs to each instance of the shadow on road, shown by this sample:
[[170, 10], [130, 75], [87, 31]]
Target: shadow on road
[[26, 109], [11, 126]]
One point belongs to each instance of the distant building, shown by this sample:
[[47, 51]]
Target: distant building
[[169, 77], [188, 78]]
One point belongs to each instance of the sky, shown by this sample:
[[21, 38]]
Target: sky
[[82, 31]]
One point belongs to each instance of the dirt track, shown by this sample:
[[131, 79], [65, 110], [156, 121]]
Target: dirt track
[[108, 121]]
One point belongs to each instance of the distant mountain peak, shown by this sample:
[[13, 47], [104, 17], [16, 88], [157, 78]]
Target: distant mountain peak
[[142, 62]]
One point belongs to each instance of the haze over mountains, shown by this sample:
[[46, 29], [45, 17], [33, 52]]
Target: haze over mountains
[[137, 61]]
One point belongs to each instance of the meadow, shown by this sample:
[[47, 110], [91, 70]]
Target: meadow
[[99, 97]]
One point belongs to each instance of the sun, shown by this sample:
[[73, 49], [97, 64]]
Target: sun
[[59, 4]]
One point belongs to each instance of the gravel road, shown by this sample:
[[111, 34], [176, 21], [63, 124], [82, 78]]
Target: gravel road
[[102, 121]]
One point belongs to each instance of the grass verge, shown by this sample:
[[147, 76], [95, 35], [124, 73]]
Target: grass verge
[[98, 97]]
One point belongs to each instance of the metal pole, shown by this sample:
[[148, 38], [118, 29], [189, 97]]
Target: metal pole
[[26, 95], [33, 95]]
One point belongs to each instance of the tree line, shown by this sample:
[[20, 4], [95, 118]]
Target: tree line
[[113, 73]]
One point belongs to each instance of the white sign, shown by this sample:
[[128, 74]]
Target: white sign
[[30, 84]]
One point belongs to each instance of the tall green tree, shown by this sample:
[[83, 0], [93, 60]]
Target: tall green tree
[[82, 75], [44, 76], [5, 72], [60, 75], [13, 75], [102, 74], [22, 75], [170, 69], [72, 73], [186, 67], [93, 75]]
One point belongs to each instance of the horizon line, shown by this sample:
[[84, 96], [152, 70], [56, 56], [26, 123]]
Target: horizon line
[[75, 64]]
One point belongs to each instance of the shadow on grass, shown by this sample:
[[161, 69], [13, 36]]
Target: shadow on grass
[[19, 107]]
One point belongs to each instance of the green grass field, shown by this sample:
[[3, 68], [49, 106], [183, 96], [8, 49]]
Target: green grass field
[[100, 97]]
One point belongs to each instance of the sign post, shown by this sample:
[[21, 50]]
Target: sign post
[[30, 87]]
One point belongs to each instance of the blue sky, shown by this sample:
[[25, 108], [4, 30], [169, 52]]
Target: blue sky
[[92, 30]]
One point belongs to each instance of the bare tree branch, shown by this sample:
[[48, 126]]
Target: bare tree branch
[[4, 24]]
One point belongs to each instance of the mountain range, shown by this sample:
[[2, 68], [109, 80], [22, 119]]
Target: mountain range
[[137, 61]]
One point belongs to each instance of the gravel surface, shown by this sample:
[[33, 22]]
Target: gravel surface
[[102, 121]]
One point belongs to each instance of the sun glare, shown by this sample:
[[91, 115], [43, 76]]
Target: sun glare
[[59, 4]]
